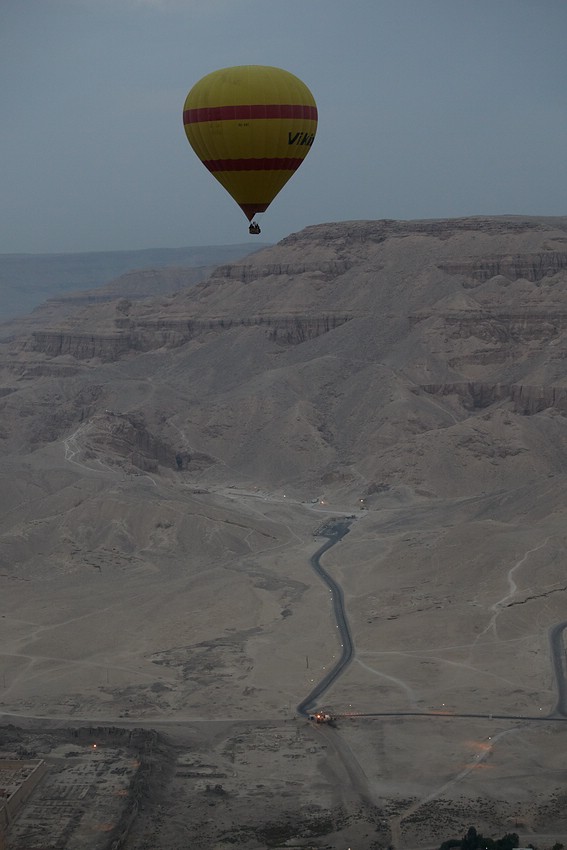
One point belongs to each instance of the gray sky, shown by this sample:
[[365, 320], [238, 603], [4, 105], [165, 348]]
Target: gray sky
[[427, 108]]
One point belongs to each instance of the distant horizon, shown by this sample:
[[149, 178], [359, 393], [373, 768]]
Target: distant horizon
[[261, 243], [128, 250], [28, 280]]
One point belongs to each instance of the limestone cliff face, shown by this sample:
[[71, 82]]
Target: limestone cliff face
[[499, 326], [297, 329], [148, 334], [525, 400], [315, 281], [532, 267], [246, 273], [82, 346], [378, 231]]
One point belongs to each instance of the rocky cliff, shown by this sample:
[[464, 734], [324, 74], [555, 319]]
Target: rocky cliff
[[148, 334], [525, 400], [532, 267], [342, 348]]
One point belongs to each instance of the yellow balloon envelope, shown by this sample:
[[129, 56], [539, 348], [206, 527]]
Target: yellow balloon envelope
[[251, 126]]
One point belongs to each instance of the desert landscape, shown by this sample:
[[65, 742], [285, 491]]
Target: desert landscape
[[27, 280], [171, 465]]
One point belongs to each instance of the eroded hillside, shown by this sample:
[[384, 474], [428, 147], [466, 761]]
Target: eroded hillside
[[361, 353]]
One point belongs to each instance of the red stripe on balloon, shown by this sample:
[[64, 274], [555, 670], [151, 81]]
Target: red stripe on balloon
[[238, 113], [254, 164]]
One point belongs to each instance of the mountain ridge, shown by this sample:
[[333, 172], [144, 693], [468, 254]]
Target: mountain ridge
[[387, 293]]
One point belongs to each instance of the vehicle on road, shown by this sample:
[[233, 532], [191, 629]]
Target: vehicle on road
[[320, 717]]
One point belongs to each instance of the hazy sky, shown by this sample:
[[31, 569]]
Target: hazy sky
[[427, 108]]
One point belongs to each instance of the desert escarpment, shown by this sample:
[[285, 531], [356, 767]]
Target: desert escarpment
[[83, 346], [525, 400], [532, 267], [349, 344], [246, 273], [147, 334]]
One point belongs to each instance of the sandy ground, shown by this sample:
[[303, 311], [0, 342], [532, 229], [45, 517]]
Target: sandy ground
[[189, 605], [217, 652]]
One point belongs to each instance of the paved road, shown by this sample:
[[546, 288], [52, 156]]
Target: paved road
[[558, 660], [334, 530], [452, 715]]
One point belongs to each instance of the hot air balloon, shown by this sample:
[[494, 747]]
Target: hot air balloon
[[251, 126]]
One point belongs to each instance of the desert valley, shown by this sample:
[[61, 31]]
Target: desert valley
[[171, 463]]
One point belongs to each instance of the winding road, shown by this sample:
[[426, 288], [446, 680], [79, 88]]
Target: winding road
[[559, 661], [334, 530]]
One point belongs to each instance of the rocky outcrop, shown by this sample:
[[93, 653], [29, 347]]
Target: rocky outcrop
[[526, 400], [532, 267], [289, 330], [293, 331], [246, 273], [128, 437], [82, 346], [377, 231], [499, 326], [149, 334]]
